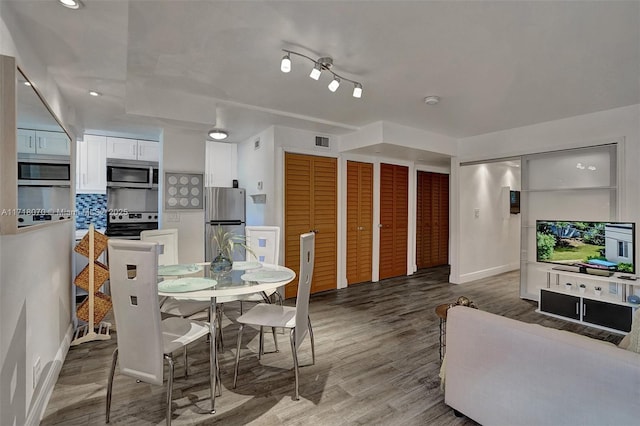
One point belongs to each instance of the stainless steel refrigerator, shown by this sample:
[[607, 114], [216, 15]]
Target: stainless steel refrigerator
[[223, 207]]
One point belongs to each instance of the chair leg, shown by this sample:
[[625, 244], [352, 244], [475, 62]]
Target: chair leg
[[219, 382], [275, 338], [220, 310], [295, 359], [261, 345], [313, 344], [186, 363], [110, 383], [169, 387], [235, 370], [241, 308]]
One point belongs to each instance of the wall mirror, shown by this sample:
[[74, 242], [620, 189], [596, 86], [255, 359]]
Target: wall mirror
[[44, 160]]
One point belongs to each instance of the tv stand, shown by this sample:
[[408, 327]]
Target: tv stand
[[604, 311]]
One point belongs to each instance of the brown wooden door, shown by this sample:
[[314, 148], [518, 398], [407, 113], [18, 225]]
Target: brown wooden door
[[359, 221], [394, 206], [311, 185], [432, 220]]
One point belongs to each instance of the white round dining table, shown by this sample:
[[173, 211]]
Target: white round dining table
[[233, 283]]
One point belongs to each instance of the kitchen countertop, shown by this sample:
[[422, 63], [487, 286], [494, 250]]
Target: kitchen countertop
[[80, 233]]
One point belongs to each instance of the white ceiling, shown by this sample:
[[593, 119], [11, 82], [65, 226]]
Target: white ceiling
[[200, 64]]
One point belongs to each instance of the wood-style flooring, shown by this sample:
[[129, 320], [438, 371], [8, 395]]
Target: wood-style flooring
[[376, 363]]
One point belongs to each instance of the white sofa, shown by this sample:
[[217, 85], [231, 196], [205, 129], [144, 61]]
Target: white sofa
[[505, 372]]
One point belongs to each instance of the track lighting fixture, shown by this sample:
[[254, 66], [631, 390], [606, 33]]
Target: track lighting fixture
[[319, 65]]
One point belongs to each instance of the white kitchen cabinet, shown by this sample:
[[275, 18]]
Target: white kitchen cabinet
[[148, 151], [91, 165], [43, 142], [221, 165], [132, 149], [125, 149]]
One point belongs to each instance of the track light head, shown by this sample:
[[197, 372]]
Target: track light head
[[357, 90], [285, 64], [335, 83], [316, 71]]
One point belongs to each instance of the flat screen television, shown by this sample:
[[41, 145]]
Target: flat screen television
[[601, 248]]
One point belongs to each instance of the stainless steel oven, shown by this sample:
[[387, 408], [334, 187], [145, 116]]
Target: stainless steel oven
[[44, 171], [132, 174]]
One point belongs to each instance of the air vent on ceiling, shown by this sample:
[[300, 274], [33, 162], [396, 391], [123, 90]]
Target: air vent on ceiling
[[256, 144], [322, 141]]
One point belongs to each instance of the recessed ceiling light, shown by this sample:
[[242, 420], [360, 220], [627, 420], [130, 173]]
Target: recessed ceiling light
[[218, 134], [94, 93], [71, 4], [27, 83], [431, 100]]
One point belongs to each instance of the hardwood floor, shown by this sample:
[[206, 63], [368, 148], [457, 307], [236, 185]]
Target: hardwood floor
[[376, 363]]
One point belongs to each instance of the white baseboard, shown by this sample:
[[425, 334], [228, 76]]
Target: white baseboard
[[472, 276], [45, 387]]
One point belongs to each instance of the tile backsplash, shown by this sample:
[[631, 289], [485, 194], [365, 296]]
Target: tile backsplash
[[91, 208]]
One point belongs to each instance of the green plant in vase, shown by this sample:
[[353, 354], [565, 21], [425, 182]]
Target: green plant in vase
[[227, 243]]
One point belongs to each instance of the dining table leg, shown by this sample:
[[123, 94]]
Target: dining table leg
[[213, 355]]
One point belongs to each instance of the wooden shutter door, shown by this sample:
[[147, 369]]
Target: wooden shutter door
[[432, 216], [394, 199], [311, 204], [359, 221]]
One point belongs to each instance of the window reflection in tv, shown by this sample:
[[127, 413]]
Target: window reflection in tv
[[608, 246]]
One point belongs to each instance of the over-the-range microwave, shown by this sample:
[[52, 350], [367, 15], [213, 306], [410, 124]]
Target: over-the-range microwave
[[132, 174], [44, 170]]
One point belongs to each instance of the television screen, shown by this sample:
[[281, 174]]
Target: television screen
[[605, 247]]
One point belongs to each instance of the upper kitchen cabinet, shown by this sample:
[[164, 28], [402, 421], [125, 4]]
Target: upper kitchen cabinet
[[132, 149], [221, 166], [43, 142], [91, 165]]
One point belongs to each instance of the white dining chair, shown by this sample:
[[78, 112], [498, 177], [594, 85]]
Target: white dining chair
[[296, 319], [170, 256], [264, 242], [168, 238], [143, 338]]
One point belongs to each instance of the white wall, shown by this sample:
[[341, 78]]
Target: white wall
[[585, 130], [184, 151], [494, 227], [35, 316], [35, 276], [257, 165]]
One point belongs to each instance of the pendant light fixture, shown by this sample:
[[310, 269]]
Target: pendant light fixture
[[218, 134], [319, 65], [71, 4]]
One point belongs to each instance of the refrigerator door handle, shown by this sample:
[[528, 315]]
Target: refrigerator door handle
[[225, 222]]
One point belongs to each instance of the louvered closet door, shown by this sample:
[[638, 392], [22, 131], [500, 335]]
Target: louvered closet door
[[311, 203], [394, 202], [359, 221], [432, 216]]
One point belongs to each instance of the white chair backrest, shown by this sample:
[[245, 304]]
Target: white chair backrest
[[264, 241], [307, 257], [169, 240], [136, 310]]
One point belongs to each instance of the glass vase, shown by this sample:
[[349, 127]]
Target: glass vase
[[221, 264]]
